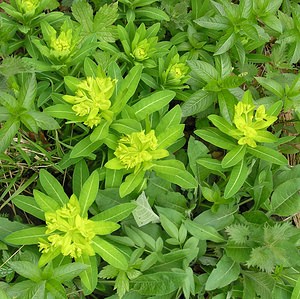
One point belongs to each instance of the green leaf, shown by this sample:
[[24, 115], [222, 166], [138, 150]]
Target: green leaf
[[53, 188], [7, 227], [7, 133], [169, 136], [80, 175], [152, 103], [214, 136], [203, 232], [198, 102], [285, 199], [88, 193], [225, 273], [44, 121], [215, 23], [234, 156], [236, 180], [203, 70], [225, 43], [46, 203], [27, 236], [27, 91], [170, 119], [296, 291], [85, 148], [29, 205], [127, 89], [116, 213], [131, 182], [63, 111], [89, 277], [268, 154], [126, 126], [158, 284], [55, 288], [109, 253], [68, 272], [271, 85], [223, 125], [143, 213], [83, 13], [174, 172], [100, 132], [27, 270], [151, 13]]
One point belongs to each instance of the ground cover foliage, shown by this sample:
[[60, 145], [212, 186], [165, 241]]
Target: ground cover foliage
[[149, 149]]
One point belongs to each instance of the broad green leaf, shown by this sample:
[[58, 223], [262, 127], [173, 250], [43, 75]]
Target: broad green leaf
[[44, 121], [143, 213], [131, 182], [225, 273], [68, 272], [285, 199], [217, 138], [27, 270], [236, 180], [158, 284], [203, 70], [56, 289], [225, 43], [174, 172], [7, 227], [45, 202], [100, 132], [105, 227], [80, 175], [234, 156], [8, 101], [90, 67], [27, 236], [263, 283], [127, 89], [53, 188], [152, 103], [116, 213], [85, 148], [296, 291], [29, 205], [126, 126], [7, 133], [221, 123], [267, 154], [203, 232], [169, 136], [83, 13], [63, 111], [89, 277], [198, 102], [170, 119], [215, 23], [88, 193], [27, 93], [271, 85], [169, 227], [151, 13], [109, 253]]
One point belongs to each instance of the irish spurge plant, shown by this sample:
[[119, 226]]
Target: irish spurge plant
[[149, 149]]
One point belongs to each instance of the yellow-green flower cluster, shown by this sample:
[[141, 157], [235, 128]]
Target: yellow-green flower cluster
[[91, 99], [27, 7], [251, 126], [61, 46], [69, 232], [136, 151]]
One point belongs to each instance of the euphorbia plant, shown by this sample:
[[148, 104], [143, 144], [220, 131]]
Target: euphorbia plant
[[68, 230]]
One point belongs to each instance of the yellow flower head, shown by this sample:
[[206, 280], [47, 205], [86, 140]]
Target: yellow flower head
[[69, 232], [141, 52], [92, 99], [28, 7], [249, 123], [138, 149], [61, 46], [178, 71]]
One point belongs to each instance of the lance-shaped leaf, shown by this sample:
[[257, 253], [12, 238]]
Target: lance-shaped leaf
[[226, 272], [27, 236], [268, 154], [109, 253], [88, 193], [53, 188], [234, 156], [236, 180], [203, 232]]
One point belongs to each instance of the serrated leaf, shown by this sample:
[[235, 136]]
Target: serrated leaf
[[143, 213]]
